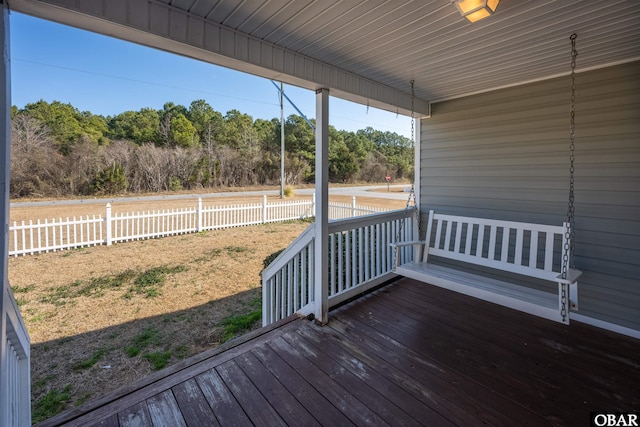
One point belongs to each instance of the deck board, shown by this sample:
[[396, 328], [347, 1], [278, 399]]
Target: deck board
[[407, 354]]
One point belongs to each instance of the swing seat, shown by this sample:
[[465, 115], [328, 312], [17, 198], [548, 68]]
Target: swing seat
[[514, 264]]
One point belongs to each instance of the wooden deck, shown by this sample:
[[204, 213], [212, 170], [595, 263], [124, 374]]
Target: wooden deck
[[407, 354]]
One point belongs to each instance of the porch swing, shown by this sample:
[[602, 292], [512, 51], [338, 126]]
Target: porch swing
[[504, 262]]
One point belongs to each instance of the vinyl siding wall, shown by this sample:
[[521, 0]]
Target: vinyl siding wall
[[505, 155]]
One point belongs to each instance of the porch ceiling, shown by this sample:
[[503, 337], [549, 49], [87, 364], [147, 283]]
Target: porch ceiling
[[379, 43]]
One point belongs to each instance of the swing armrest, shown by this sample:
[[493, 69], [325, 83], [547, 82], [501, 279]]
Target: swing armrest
[[411, 243], [572, 277], [396, 246]]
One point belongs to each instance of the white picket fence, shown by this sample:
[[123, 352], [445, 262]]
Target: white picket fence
[[28, 238]]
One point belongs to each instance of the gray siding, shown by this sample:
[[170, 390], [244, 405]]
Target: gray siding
[[505, 155]]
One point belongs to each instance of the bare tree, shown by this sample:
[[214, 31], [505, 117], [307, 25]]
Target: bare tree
[[35, 162]]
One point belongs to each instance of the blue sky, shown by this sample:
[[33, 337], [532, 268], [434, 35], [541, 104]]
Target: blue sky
[[108, 76]]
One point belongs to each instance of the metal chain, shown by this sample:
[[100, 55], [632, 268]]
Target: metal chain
[[412, 192], [569, 246]]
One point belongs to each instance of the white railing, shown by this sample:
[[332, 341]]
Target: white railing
[[60, 234], [359, 258], [15, 395]]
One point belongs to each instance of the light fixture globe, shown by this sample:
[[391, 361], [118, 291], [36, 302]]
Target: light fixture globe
[[475, 10]]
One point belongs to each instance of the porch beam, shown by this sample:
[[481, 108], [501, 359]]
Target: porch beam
[[321, 249], [159, 25]]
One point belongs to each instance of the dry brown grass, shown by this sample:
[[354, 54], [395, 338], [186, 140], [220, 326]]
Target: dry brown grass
[[85, 324]]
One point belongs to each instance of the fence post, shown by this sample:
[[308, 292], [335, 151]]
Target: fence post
[[313, 204], [199, 210], [264, 209], [107, 220], [353, 206]]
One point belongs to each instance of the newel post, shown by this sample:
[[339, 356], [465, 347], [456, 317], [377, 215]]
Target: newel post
[[107, 220]]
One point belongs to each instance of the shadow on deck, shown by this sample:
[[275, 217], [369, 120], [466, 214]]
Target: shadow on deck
[[407, 354]]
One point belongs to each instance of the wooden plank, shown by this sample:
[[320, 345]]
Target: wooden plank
[[334, 392], [111, 421], [287, 406], [521, 368], [221, 400], [486, 404], [248, 396], [470, 362], [164, 410], [313, 400], [135, 416], [541, 338], [361, 376], [193, 405]]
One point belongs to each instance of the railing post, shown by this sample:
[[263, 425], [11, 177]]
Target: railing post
[[264, 209], [107, 219], [353, 206], [199, 211]]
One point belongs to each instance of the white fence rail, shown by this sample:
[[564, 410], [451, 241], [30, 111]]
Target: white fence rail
[[60, 234], [359, 258]]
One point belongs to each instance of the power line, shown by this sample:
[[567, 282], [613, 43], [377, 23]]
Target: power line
[[142, 81]]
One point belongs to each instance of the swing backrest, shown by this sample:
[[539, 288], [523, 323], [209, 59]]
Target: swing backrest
[[525, 248]]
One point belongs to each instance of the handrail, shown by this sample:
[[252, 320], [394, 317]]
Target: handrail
[[360, 257]]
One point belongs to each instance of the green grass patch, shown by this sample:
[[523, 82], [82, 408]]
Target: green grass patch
[[87, 363], [43, 381], [158, 359], [181, 351], [22, 289], [148, 283], [232, 251], [50, 404], [236, 325], [142, 340]]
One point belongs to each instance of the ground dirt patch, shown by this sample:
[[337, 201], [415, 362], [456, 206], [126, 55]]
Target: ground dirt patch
[[102, 317]]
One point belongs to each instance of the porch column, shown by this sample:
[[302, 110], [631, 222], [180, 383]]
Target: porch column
[[5, 106], [321, 274], [15, 384]]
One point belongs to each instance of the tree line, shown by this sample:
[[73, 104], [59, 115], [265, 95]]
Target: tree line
[[57, 150]]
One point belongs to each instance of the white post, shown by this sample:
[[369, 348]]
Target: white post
[[321, 246], [15, 381], [264, 209], [199, 210], [353, 206], [313, 204], [108, 223], [281, 140]]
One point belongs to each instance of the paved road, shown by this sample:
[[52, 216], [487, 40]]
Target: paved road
[[360, 191]]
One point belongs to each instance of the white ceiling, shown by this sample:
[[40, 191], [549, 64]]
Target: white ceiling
[[386, 42]]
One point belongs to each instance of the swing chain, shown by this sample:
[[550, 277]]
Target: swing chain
[[413, 96], [569, 245], [412, 192]]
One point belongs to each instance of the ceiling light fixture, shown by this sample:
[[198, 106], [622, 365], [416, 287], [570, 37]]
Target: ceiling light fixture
[[475, 10]]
